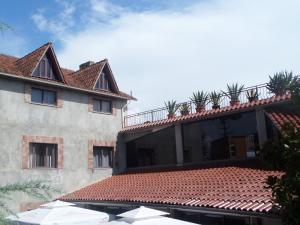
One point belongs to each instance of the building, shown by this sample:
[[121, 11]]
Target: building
[[57, 124], [201, 167]]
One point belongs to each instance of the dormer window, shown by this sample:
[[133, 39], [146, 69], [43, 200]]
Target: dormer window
[[45, 69], [103, 82]]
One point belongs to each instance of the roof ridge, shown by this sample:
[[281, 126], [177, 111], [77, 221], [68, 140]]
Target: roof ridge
[[88, 67]]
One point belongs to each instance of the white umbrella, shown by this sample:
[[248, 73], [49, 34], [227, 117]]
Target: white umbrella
[[142, 212], [147, 216], [60, 213]]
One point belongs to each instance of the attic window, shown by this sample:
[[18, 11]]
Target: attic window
[[103, 82], [45, 69]]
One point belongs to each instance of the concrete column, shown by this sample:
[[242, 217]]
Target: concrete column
[[261, 127], [179, 144], [120, 155]]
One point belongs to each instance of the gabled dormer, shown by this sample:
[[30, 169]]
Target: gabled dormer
[[45, 69], [41, 63], [105, 80], [48, 67]]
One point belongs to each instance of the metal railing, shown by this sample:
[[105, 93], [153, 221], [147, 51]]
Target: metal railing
[[162, 113]]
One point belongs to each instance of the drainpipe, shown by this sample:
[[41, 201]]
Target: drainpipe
[[122, 113]]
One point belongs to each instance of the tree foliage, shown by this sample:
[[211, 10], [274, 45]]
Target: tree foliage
[[4, 26], [285, 156], [37, 189]]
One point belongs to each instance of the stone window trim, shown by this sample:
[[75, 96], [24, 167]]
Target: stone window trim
[[113, 105], [92, 143], [26, 140], [59, 95]]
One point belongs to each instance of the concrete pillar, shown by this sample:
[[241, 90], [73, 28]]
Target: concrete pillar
[[261, 127], [179, 144], [120, 155]]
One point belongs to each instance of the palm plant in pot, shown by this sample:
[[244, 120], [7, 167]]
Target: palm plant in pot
[[200, 100], [172, 108], [252, 94], [185, 109], [233, 92], [279, 83], [215, 98]]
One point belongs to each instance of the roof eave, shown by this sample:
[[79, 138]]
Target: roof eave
[[200, 209], [64, 86], [136, 128]]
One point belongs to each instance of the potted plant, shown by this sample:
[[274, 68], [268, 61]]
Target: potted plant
[[215, 98], [185, 109], [233, 92], [252, 95], [280, 82], [172, 107], [200, 100]]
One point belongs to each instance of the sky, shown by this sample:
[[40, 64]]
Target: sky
[[162, 50]]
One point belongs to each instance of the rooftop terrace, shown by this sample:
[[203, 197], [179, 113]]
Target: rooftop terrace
[[162, 113]]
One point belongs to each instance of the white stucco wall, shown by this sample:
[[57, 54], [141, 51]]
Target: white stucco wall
[[73, 122]]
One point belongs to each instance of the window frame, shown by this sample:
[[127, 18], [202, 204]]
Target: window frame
[[33, 153], [111, 156], [45, 69], [26, 139], [103, 83], [98, 100], [44, 90]]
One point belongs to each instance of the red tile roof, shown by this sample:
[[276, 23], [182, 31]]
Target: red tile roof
[[209, 113], [27, 63], [83, 79], [86, 78], [280, 117], [227, 187]]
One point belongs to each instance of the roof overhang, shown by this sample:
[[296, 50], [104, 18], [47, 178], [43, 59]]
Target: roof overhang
[[206, 210], [153, 126], [61, 85]]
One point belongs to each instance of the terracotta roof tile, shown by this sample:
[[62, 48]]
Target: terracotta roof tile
[[84, 79], [27, 63], [7, 64], [208, 113], [224, 187], [280, 117]]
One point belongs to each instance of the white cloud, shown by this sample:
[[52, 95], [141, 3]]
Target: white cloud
[[105, 7], [12, 43], [60, 24], [168, 54]]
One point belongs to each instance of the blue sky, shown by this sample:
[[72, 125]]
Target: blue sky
[[162, 49], [19, 15]]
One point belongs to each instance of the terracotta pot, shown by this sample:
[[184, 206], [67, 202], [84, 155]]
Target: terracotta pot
[[215, 107], [200, 109], [170, 116], [185, 113], [234, 102]]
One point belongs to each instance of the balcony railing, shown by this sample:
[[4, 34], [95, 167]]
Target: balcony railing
[[162, 113]]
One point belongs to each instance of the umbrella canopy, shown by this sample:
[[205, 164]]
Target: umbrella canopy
[[147, 216], [142, 212], [60, 213], [160, 220]]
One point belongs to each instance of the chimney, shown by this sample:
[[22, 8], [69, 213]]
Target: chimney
[[85, 65]]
